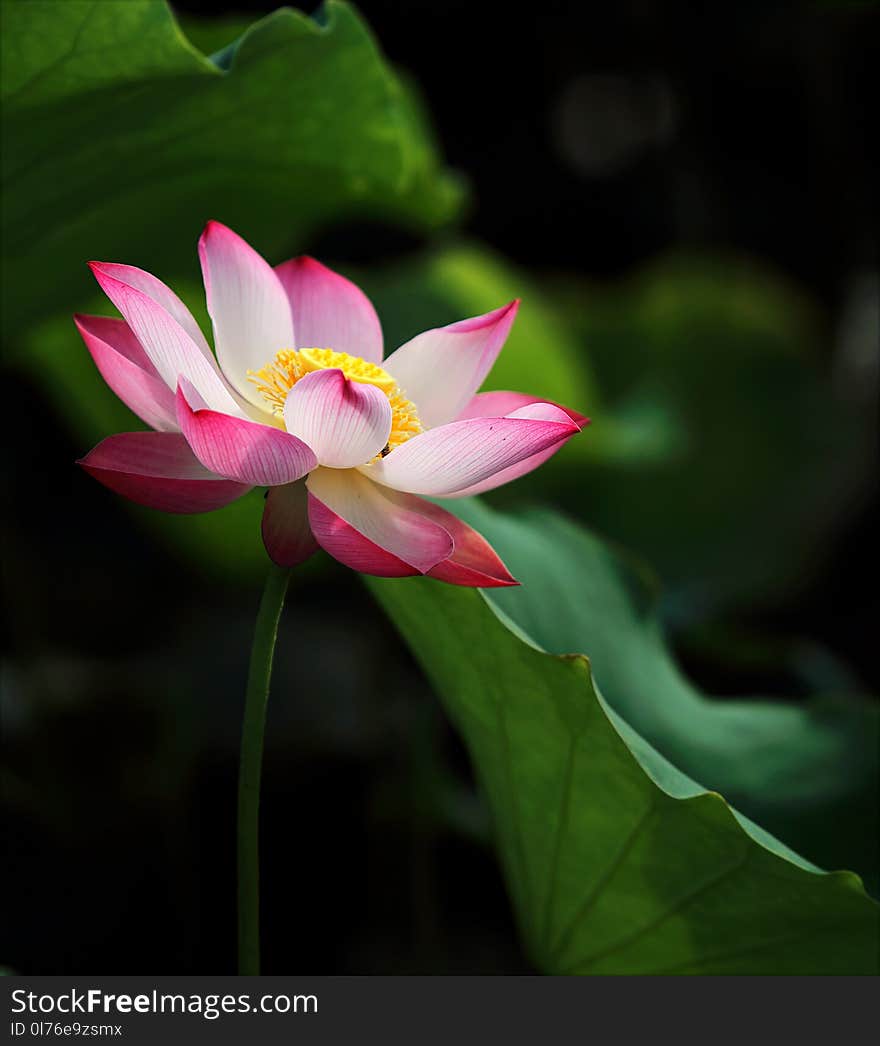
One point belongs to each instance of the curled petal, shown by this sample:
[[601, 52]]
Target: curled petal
[[345, 422], [247, 451], [345, 507], [170, 348], [286, 532], [517, 405], [127, 369], [457, 456], [441, 369], [158, 469], [329, 311], [248, 306]]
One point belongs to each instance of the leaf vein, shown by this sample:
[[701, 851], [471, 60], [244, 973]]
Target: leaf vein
[[594, 894], [561, 829], [773, 942], [515, 822], [653, 924]]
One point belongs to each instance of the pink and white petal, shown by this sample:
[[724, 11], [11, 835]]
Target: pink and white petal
[[162, 295], [529, 408], [448, 459], [115, 349], [441, 369], [380, 516], [346, 423], [171, 350], [248, 306], [158, 469], [499, 404], [286, 532], [473, 563], [329, 311], [236, 448], [351, 548]]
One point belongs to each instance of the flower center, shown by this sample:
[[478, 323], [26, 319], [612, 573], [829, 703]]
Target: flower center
[[277, 378]]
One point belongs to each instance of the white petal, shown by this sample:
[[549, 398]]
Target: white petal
[[248, 306]]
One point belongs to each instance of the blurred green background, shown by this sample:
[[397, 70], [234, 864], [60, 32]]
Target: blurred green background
[[686, 214]]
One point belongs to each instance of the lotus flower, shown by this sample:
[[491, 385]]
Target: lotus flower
[[299, 400]]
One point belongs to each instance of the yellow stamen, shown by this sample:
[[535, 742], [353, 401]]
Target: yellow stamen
[[352, 367], [277, 378]]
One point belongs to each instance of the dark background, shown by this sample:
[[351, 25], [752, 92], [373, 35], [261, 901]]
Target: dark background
[[596, 137]]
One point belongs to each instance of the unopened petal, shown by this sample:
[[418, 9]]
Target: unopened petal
[[345, 422]]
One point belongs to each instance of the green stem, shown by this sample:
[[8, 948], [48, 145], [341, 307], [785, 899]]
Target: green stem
[[253, 728]]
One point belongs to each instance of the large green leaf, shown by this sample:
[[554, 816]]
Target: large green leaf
[[617, 862], [121, 139], [806, 772], [212, 35]]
